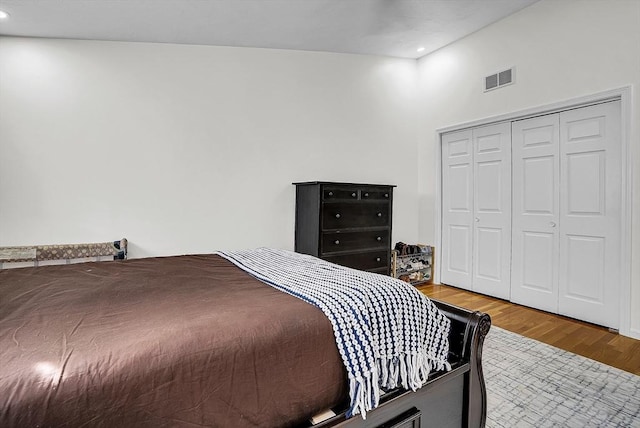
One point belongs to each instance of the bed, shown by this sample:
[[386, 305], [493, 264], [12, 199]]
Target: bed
[[195, 341]]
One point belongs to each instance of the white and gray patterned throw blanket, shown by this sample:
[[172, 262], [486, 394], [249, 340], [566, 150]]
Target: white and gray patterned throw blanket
[[388, 333]]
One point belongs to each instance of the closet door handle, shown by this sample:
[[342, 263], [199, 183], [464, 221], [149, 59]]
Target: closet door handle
[[477, 219], [552, 224]]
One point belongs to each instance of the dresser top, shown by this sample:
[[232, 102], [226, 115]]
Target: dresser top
[[312, 183]]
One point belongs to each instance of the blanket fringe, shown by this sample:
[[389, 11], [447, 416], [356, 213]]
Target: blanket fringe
[[406, 371]]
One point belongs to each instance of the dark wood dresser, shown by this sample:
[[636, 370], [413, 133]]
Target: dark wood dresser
[[345, 223]]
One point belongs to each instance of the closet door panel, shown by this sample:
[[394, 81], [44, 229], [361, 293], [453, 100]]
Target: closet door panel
[[535, 209], [590, 202], [537, 262], [457, 209], [492, 210], [489, 260], [458, 255], [583, 277]]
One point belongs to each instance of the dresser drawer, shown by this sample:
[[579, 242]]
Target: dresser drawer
[[409, 419], [333, 242], [345, 215], [377, 260], [375, 194], [340, 193]]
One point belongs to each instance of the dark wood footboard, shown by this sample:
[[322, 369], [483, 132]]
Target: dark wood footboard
[[457, 398], [468, 330]]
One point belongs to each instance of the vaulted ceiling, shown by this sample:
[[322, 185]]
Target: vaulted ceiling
[[375, 27]]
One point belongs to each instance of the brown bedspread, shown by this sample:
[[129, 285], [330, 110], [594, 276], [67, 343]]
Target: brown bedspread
[[174, 341]]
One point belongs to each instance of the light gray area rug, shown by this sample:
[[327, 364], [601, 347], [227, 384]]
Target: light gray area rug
[[532, 384]]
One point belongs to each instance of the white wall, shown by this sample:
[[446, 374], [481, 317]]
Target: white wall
[[562, 49], [187, 149]]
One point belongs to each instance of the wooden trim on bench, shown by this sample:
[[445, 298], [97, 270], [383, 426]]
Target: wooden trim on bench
[[62, 254]]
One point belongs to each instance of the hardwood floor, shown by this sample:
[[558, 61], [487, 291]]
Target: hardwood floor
[[582, 338]]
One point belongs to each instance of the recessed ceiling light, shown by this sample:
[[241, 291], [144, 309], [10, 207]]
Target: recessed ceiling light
[[420, 49], [3, 14]]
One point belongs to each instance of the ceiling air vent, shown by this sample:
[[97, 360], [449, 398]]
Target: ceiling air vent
[[499, 79]]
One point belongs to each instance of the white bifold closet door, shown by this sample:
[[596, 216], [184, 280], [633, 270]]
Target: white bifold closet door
[[476, 201], [567, 212], [536, 170], [457, 208]]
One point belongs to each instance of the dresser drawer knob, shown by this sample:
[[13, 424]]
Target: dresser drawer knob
[[379, 238], [377, 259], [386, 195], [337, 242], [337, 215], [366, 195], [330, 193], [353, 195], [379, 214]]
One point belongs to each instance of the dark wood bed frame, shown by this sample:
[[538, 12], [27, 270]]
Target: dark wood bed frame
[[456, 398]]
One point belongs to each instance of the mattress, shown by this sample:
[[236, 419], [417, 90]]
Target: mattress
[[171, 341]]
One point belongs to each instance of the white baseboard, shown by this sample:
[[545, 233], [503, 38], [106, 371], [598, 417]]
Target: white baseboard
[[634, 333]]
